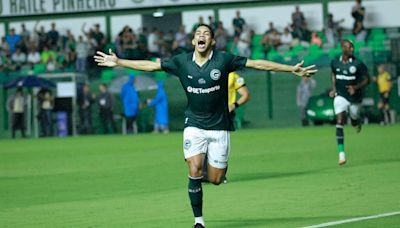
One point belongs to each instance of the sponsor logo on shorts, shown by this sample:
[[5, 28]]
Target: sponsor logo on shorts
[[215, 74], [187, 144]]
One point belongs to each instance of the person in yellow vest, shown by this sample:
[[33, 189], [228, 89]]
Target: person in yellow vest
[[384, 86], [236, 84]]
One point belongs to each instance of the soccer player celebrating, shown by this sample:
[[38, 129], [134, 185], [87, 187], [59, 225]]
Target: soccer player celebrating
[[349, 77], [204, 77]]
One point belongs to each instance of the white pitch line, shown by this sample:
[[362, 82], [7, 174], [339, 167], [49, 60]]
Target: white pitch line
[[353, 220]]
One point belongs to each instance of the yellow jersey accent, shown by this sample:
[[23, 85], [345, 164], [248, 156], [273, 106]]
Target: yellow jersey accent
[[384, 83], [234, 83]]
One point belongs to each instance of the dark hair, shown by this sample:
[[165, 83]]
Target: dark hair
[[349, 41], [209, 28]]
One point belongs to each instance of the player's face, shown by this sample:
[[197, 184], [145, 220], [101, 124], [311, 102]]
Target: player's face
[[347, 48], [202, 40]]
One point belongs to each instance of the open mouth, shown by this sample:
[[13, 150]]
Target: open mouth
[[201, 44]]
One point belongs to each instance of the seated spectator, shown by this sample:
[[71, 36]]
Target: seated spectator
[[266, 44], [315, 39], [244, 42], [46, 54], [286, 37], [19, 58], [4, 47], [275, 39], [33, 55], [271, 28], [51, 64], [13, 40], [181, 38], [221, 37]]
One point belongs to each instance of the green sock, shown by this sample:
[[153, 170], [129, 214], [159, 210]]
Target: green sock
[[196, 196], [341, 148]]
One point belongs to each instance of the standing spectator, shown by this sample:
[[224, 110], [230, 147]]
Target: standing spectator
[[53, 36], [130, 101], [238, 22], [298, 21], [85, 101], [153, 44], [41, 36], [384, 86], [199, 22], [33, 56], [25, 38], [358, 12], [99, 37], [142, 38], [359, 31], [160, 104], [106, 109], [16, 106], [332, 31], [244, 42], [82, 50], [181, 38], [221, 37], [304, 91], [13, 40], [213, 24], [19, 58], [46, 104]]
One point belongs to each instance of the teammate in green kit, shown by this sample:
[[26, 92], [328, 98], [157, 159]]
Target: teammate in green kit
[[204, 77], [349, 77]]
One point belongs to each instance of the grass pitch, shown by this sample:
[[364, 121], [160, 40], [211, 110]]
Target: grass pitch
[[277, 178]]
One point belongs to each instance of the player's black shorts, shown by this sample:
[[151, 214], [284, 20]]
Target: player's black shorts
[[384, 100]]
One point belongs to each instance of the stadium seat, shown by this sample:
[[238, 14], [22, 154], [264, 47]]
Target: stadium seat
[[39, 68], [107, 75]]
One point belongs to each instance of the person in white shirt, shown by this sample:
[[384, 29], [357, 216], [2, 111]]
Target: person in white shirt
[[33, 56], [153, 43]]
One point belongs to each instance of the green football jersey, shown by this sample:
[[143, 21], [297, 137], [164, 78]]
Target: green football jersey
[[206, 87], [349, 73]]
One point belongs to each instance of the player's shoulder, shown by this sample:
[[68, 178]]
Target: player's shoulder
[[358, 62]]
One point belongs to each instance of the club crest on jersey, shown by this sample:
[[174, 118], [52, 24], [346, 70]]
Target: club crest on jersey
[[352, 69], [215, 74]]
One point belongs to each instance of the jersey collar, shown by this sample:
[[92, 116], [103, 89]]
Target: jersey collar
[[350, 59], [209, 57]]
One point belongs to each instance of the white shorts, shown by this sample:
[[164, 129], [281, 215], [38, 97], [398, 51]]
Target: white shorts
[[341, 104], [214, 143]]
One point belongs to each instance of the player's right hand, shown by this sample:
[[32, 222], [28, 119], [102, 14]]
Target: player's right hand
[[103, 59]]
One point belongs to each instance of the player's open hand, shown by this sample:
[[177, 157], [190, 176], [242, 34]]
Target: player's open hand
[[301, 71], [103, 59]]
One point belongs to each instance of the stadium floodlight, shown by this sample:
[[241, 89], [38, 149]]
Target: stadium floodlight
[[158, 13]]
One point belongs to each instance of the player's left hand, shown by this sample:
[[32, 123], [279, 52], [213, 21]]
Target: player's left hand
[[301, 71], [351, 89], [231, 108]]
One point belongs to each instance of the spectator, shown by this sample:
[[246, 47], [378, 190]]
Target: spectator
[[143, 41], [16, 106], [221, 37], [25, 34], [305, 37], [85, 100], [4, 46], [51, 64], [199, 22], [106, 109], [275, 39], [286, 38], [358, 12], [154, 43], [315, 39], [244, 42], [53, 36], [181, 38], [13, 40], [41, 36], [33, 56], [82, 49], [160, 104], [99, 37], [298, 21], [270, 29], [46, 104], [332, 31], [19, 58], [266, 45], [213, 24], [304, 91], [238, 22], [130, 101], [47, 54], [359, 31]]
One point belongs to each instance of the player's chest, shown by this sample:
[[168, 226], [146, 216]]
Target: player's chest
[[204, 76]]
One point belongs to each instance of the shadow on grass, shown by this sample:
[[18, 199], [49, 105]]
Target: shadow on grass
[[270, 175]]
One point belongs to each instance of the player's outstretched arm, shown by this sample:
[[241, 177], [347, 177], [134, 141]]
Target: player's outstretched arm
[[297, 69], [112, 60]]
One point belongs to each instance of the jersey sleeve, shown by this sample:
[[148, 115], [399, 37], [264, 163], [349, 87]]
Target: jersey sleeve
[[363, 70], [170, 65], [236, 62]]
